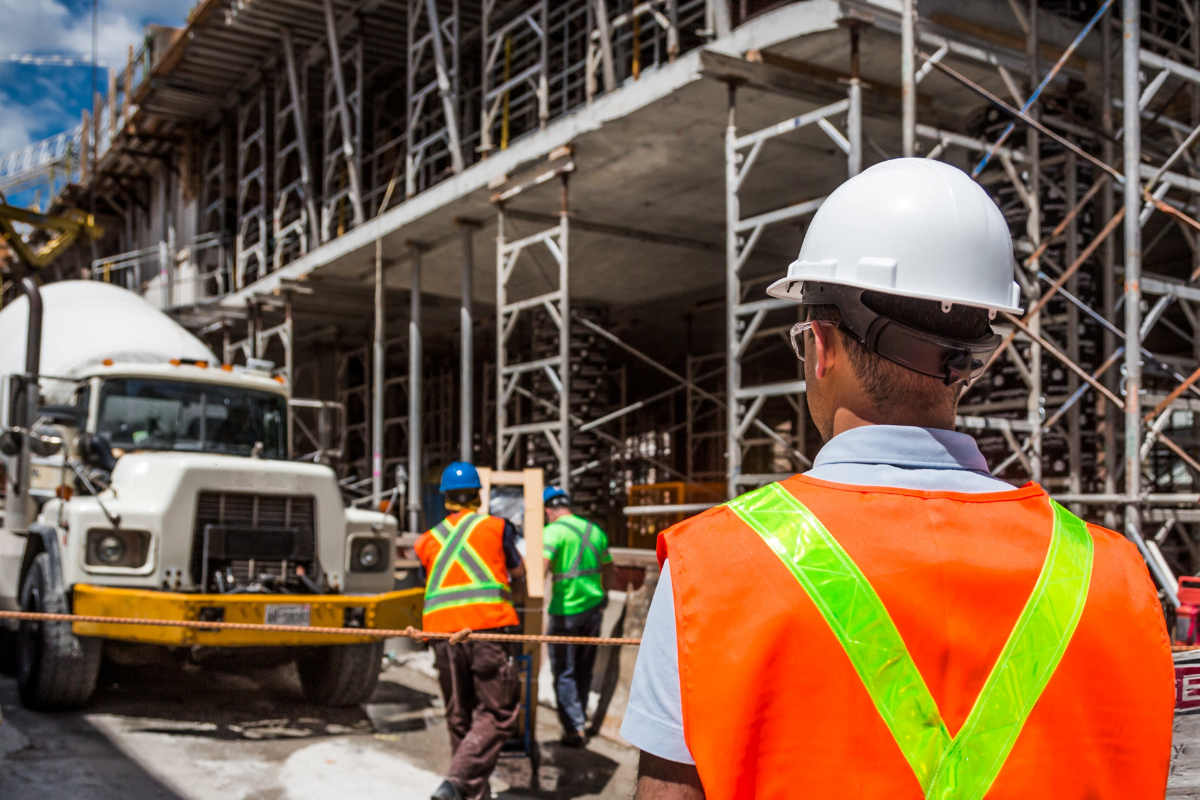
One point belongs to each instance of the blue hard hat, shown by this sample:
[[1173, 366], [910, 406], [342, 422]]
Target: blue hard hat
[[552, 492], [459, 475]]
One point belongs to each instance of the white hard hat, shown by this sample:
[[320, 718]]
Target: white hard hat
[[912, 227]]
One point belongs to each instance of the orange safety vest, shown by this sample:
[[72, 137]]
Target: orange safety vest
[[467, 584], [774, 707]]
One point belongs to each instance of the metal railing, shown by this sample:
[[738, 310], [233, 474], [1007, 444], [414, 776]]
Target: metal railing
[[168, 277]]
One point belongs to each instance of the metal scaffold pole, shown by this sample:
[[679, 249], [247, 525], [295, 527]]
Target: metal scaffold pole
[[415, 471], [733, 366], [466, 230], [1131, 11], [908, 72], [378, 367], [1033, 227], [1108, 271]]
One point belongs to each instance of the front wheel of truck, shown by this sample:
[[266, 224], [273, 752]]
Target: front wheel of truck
[[340, 675], [55, 668]]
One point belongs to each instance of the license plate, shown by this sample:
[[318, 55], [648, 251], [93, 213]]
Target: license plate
[[295, 615]]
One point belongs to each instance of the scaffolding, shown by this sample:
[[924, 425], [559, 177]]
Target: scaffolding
[[314, 128]]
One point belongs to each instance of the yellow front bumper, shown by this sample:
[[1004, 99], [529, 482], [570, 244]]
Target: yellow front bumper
[[389, 611]]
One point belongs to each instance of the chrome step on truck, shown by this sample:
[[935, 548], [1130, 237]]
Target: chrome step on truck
[[147, 480]]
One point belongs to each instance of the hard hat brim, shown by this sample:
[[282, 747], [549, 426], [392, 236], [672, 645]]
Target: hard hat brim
[[789, 288]]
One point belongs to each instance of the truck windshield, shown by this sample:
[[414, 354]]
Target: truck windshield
[[146, 414]]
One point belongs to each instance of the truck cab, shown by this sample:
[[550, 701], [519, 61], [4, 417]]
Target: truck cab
[[166, 491]]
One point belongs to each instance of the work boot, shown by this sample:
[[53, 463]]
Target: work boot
[[573, 739], [447, 791]]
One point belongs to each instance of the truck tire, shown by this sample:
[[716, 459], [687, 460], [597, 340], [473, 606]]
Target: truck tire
[[55, 668], [340, 675]]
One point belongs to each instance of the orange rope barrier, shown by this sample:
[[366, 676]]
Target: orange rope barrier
[[410, 632]]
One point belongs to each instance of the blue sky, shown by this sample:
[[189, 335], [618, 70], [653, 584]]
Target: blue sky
[[36, 102]]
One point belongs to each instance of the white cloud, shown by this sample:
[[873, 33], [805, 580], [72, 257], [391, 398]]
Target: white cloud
[[22, 124], [48, 26]]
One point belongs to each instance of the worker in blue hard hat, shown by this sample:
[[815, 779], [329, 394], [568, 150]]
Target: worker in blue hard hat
[[579, 571], [471, 560]]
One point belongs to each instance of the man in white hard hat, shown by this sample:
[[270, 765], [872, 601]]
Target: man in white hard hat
[[896, 622]]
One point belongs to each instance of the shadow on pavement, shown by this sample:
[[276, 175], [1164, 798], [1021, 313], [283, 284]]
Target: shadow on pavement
[[60, 756], [564, 772], [215, 702]]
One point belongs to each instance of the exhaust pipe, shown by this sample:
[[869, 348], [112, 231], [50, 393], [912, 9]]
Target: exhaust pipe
[[18, 512]]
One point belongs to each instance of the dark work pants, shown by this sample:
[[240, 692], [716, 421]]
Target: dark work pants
[[482, 691], [572, 665]]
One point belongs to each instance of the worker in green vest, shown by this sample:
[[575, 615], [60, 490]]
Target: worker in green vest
[[579, 571]]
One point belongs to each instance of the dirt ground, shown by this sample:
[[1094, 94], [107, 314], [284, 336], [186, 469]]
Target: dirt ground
[[205, 733]]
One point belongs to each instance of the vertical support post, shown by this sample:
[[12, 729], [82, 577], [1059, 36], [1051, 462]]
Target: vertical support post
[[908, 76], [1131, 11], [377, 375], [289, 331], [289, 363], [543, 91], [733, 367], [672, 30], [564, 343], [1036, 405], [445, 90], [84, 148], [339, 84], [1108, 270], [1074, 428], [466, 430], [501, 341], [414, 395], [854, 116], [112, 103], [716, 15], [606, 50], [310, 204]]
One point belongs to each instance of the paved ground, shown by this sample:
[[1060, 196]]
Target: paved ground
[[205, 733]]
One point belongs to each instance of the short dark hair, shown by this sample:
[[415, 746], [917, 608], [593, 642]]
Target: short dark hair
[[887, 383], [462, 497]]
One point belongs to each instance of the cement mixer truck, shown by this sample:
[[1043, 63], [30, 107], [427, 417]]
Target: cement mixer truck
[[145, 479]]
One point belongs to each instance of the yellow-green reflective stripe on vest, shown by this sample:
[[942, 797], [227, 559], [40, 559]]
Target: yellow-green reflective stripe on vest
[[483, 588], [577, 570], [961, 767]]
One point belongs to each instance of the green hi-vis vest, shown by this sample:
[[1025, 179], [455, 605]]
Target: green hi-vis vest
[[456, 549], [576, 584], [964, 766]]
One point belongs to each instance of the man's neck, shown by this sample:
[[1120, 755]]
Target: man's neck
[[845, 419]]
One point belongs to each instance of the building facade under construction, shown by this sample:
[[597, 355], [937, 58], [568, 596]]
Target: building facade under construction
[[537, 234]]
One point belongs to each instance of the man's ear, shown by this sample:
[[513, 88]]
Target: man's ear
[[826, 345]]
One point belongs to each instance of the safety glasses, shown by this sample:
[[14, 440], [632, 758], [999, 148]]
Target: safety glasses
[[802, 327]]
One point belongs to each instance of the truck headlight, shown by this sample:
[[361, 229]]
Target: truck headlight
[[117, 548], [368, 554], [111, 549]]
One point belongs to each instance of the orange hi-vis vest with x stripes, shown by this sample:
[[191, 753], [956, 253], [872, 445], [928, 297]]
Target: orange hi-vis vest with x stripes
[[842, 641], [467, 584]]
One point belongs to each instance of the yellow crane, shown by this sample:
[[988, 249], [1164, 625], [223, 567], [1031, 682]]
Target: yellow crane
[[65, 228]]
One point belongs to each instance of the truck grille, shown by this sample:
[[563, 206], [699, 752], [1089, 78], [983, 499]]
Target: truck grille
[[252, 535]]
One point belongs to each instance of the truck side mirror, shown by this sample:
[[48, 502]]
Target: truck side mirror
[[95, 451], [45, 442]]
